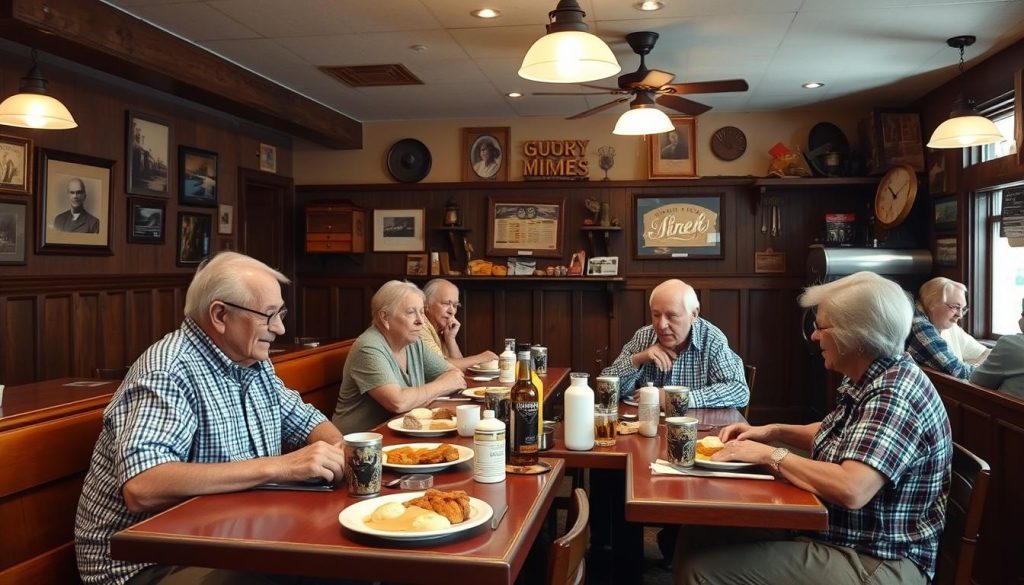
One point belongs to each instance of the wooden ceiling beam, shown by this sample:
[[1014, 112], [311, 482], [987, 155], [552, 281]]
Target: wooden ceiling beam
[[99, 36]]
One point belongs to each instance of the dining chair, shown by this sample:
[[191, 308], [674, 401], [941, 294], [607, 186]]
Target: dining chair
[[112, 373], [567, 559], [964, 510], [750, 373]]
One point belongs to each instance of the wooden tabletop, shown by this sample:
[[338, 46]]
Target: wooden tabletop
[[554, 381], [38, 402]]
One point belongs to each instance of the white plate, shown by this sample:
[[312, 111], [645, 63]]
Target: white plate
[[483, 372], [465, 454], [722, 465], [354, 518], [472, 393], [395, 424]]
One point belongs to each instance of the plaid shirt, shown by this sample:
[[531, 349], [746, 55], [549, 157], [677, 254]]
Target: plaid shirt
[[893, 421], [708, 366], [183, 400], [928, 348]]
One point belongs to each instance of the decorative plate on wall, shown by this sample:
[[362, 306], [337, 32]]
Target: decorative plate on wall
[[728, 143], [408, 160]]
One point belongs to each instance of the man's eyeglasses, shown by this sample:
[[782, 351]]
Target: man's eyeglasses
[[452, 304], [958, 308], [278, 314]]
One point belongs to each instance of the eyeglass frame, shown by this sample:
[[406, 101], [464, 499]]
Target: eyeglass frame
[[962, 310], [280, 313], [452, 305]]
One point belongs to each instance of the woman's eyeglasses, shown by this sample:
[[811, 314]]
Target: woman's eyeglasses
[[962, 309]]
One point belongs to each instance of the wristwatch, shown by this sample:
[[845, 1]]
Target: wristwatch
[[777, 456]]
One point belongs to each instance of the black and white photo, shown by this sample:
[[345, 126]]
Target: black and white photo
[[149, 146], [12, 233], [146, 220], [15, 165], [398, 230], [74, 206]]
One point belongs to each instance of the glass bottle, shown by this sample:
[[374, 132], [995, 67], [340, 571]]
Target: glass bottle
[[524, 422]]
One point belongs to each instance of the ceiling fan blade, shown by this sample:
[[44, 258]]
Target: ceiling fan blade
[[600, 108], [683, 105], [571, 93], [645, 78], [614, 89], [719, 86]]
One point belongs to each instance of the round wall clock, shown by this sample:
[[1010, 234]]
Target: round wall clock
[[895, 196], [728, 143]]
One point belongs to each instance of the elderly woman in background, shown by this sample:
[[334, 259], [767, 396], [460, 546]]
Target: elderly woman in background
[[1003, 370], [387, 371], [880, 461], [945, 303]]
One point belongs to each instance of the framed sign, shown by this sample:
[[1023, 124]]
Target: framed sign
[[12, 233], [673, 154], [15, 165], [520, 225], [146, 220], [946, 252], [195, 234], [678, 227], [416, 265], [398, 230], [485, 154], [268, 158], [75, 192], [197, 177], [149, 146], [225, 219], [945, 214]]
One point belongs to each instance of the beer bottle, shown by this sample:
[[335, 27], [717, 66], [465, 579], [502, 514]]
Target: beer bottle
[[524, 417]]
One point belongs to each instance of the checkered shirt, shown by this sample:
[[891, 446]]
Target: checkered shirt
[[893, 421], [928, 348], [708, 366], [183, 400]]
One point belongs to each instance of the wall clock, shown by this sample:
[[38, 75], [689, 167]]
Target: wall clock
[[895, 196], [728, 143]]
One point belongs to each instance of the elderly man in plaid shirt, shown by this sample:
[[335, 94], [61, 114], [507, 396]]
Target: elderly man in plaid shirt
[[880, 461]]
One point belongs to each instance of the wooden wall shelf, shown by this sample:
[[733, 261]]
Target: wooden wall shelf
[[606, 232]]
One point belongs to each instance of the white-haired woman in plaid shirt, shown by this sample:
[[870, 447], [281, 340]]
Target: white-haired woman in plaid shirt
[[880, 461]]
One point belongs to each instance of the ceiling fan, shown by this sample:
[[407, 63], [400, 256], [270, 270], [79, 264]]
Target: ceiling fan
[[647, 85]]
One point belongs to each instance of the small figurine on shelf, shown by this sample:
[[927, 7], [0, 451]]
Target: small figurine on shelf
[[593, 206], [452, 215], [606, 160]]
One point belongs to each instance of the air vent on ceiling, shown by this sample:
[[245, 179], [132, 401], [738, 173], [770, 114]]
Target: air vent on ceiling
[[373, 75]]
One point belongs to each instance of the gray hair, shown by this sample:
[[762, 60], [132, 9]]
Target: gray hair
[[389, 296], [938, 290], [222, 277], [690, 300], [432, 288], [869, 314]]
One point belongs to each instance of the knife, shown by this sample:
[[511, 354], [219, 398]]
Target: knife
[[705, 473], [497, 518]]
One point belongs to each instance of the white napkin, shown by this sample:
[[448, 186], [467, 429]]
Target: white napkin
[[662, 467]]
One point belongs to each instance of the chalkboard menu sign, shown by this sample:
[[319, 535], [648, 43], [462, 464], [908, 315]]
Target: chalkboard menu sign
[[1012, 225]]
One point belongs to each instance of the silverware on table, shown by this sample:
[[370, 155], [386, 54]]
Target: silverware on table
[[498, 517], [396, 481]]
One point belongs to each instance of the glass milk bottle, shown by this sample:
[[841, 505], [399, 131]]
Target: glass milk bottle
[[579, 413], [489, 449], [647, 410], [507, 364]]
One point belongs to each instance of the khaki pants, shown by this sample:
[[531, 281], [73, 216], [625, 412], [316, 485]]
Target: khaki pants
[[172, 575], [725, 556]]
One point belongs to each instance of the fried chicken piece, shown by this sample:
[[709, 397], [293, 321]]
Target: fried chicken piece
[[401, 456], [443, 412], [452, 505], [440, 454]]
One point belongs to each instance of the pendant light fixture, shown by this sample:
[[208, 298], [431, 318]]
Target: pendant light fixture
[[643, 118], [965, 127], [33, 108], [568, 53]]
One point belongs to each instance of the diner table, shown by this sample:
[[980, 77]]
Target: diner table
[[37, 402], [554, 385]]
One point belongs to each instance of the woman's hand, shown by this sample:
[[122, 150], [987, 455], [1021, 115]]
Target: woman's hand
[[743, 431], [746, 451]]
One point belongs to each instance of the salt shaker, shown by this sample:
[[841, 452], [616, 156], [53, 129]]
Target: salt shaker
[[648, 410]]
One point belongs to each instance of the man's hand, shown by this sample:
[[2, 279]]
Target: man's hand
[[450, 330], [745, 432], [660, 356], [316, 460]]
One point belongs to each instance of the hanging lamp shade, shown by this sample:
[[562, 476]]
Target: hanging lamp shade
[[964, 126], [33, 108], [568, 53], [643, 118]]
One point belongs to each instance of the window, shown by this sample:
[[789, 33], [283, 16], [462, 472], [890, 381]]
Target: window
[[1000, 111], [1006, 275]]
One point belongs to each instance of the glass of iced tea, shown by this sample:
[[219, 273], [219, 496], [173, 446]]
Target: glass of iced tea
[[606, 419]]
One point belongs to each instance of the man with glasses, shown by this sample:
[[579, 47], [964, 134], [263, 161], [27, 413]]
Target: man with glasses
[[936, 338], [201, 412], [441, 328]]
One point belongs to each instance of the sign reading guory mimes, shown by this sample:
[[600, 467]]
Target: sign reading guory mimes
[[555, 159], [678, 227]]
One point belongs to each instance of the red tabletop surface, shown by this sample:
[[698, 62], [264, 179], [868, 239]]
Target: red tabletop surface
[[33, 403]]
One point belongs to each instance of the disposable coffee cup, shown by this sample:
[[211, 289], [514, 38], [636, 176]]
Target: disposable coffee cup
[[466, 416], [681, 435], [363, 463]]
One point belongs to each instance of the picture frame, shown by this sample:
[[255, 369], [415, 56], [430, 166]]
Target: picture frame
[[678, 227], [69, 181], [12, 233], [946, 252], [197, 177], [673, 154], [485, 154], [398, 230], [16, 170], [893, 137], [945, 213], [195, 236], [416, 265], [148, 148], [603, 266], [146, 220], [525, 225], [268, 158], [225, 219], [941, 173]]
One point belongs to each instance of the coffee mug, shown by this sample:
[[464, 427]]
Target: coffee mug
[[467, 415], [681, 435]]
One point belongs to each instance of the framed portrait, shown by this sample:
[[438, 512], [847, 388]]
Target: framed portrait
[[268, 158], [146, 220], [416, 265], [945, 214], [225, 219], [523, 225], [12, 233], [75, 194], [669, 228], [15, 165], [945, 252], [148, 152], [485, 154], [398, 230], [197, 177], [195, 234], [673, 154]]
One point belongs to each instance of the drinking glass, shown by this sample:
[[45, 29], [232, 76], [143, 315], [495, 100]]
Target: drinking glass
[[605, 422]]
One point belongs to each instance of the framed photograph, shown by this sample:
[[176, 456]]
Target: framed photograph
[[398, 230], [195, 234], [146, 220], [945, 252], [12, 233], [225, 219], [945, 214], [75, 194], [268, 158], [197, 177], [669, 228], [485, 154], [893, 137], [149, 152], [603, 266], [941, 180], [673, 154], [524, 225], [416, 265], [15, 165]]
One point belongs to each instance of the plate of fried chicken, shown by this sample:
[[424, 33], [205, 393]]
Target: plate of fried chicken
[[424, 457], [449, 512]]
